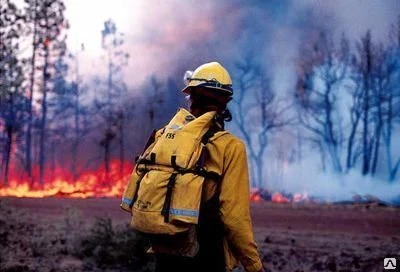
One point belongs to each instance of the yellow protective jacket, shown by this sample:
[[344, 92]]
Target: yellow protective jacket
[[227, 155]]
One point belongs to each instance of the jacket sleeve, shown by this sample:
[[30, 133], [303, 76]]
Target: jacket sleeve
[[235, 207]]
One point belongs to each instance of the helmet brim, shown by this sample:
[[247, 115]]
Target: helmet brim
[[186, 90]]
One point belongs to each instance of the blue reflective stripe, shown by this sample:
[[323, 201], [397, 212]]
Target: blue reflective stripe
[[127, 201], [191, 213]]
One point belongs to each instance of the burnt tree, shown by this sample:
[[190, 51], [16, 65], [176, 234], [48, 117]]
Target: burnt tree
[[257, 112], [322, 71], [12, 100]]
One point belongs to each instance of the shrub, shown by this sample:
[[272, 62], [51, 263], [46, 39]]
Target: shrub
[[117, 247]]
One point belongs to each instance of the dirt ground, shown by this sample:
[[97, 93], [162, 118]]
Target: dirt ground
[[291, 237]]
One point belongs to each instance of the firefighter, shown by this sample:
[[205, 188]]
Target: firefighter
[[224, 231]]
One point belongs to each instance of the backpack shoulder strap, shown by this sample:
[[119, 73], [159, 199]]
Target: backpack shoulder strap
[[214, 128]]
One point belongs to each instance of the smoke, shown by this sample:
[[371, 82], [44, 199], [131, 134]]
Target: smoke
[[355, 17], [307, 177], [169, 37], [166, 38]]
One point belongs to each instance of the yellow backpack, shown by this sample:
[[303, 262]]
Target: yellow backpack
[[164, 191]]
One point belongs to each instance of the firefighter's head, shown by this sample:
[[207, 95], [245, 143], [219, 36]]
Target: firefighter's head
[[209, 88]]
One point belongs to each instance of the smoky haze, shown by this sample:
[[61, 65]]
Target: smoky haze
[[174, 35], [165, 38]]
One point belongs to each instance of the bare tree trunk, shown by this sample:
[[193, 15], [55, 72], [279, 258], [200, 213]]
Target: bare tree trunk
[[387, 139], [8, 153], [74, 151], [107, 160], [46, 76], [121, 146], [28, 151], [259, 165], [42, 151], [77, 110], [36, 151], [110, 118], [332, 141], [350, 144], [53, 159], [10, 132], [77, 136], [260, 157], [253, 178], [394, 171], [106, 144], [377, 141], [366, 106], [241, 124], [323, 156], [366, 158]]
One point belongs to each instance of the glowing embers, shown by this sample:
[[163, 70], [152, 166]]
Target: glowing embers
[[279, 198], [261, 195], [91, 183]]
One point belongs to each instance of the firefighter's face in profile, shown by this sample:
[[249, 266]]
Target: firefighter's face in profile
[[198, 101], [201, 100], [193, 105]]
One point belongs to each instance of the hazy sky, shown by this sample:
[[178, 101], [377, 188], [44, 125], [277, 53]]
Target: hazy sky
[[169, 36]]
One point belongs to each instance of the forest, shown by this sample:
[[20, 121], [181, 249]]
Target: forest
[[57, 122]]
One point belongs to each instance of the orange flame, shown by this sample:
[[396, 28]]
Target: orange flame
[[88, 184], [255, 195], [97, 183], [279, 198], [260, 195]]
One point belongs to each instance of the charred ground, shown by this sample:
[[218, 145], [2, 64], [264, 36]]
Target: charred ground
[[66, 234]]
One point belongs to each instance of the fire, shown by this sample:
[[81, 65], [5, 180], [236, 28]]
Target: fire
[[279, 198], [255, 195], [259, 195], [97, 183]]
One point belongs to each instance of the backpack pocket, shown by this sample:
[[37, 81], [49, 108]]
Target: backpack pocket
[[129, 193], [167, 202]]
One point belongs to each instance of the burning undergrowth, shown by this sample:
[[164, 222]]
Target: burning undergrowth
[[99, 182], [262, 195], [111, 182]]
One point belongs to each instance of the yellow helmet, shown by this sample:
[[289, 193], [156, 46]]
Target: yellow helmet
[[210, 75]]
